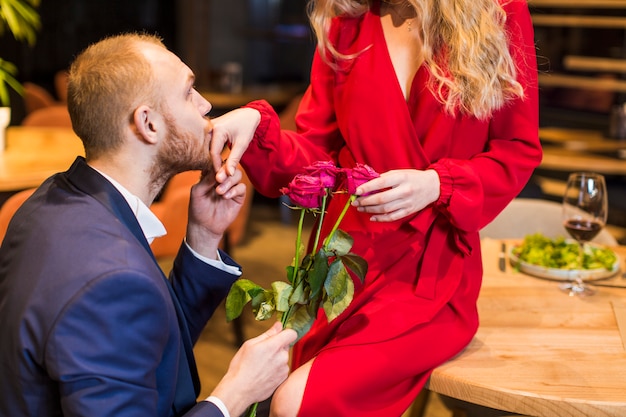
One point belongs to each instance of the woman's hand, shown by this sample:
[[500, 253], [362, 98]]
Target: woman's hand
[[397, 194], [235, 128]]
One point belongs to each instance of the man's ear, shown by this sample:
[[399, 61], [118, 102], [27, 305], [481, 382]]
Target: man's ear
[[145, 121]]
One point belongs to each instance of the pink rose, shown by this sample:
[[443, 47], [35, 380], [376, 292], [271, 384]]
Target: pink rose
[[358, 175], [326, 171], [305, 191]]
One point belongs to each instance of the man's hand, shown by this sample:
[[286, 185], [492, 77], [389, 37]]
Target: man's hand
[[212, 208], [256, 370]]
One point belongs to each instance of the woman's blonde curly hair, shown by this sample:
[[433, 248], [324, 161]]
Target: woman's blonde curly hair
[[465, 47]]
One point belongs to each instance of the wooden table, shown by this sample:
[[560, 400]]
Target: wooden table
[[568, 150], [33, 154], [539, 352]]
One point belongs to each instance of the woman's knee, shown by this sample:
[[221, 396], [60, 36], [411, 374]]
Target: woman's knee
[[288, 397]]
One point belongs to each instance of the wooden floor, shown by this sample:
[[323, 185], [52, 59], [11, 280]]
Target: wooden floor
[[264, 254]]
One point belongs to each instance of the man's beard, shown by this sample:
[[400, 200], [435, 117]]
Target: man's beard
[[180, 153]]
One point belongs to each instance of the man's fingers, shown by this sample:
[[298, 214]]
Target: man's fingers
[[282, 338], [286, 338], [274, 330]]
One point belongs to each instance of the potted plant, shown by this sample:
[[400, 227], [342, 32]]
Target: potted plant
[[21, 19]]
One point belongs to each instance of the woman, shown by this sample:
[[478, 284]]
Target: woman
[[440, 97]]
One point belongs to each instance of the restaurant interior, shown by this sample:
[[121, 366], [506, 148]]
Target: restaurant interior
[[243, 50]]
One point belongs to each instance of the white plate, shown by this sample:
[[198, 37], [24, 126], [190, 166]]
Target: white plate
[[564, 274]]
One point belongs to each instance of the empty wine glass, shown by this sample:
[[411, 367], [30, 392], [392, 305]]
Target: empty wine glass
[[585, 209]]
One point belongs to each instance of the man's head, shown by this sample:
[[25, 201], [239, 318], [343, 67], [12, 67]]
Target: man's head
[[106, 82], [130, 89]]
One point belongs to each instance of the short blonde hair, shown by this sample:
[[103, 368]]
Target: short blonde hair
[[105, 84], [465, 47]]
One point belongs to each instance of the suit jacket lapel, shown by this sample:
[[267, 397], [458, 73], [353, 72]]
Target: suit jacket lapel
[[91, 182]]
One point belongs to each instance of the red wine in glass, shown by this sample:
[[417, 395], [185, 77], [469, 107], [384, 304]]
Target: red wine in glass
[[585, 209], [582, 230]]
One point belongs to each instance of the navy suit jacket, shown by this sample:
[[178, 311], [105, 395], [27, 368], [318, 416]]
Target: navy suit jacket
[[89, 325]]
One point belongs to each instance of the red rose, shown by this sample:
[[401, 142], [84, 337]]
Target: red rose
[[305, 191], [358, 175], [326, 171]]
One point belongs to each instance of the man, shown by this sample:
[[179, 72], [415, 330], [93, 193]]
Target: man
[[89, 325]]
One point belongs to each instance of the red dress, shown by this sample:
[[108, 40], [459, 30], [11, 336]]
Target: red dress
[[417, 307]]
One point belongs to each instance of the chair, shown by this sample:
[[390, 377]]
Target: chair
[[55, 115], [524, 216], [171, 209], [9, 208], [60, 85], [36, 97]]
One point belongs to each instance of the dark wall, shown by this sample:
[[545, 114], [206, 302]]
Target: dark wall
[[271, 39], [578, 107], [68, 26]]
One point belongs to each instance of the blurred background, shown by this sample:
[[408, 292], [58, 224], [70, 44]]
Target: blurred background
[[269, 40]]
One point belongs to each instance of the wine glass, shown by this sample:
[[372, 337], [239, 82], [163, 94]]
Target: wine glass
[[585, 209]]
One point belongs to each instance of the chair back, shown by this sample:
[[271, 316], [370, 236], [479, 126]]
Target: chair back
[[60, 85], [171, 209], [525, 216], [54, 116], [10, 206], [36, 97]]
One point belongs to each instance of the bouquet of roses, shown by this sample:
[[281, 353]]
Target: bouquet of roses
[[314, 279]]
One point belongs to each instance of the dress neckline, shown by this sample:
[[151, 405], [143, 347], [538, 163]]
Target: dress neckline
[[375, 12]]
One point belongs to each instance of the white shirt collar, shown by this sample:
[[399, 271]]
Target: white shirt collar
[[148, 221]]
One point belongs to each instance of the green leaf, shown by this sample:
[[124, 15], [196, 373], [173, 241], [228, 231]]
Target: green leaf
[[21, 18], [340, 243], [260, 298], [300, 321], [298, 294], [318, 273], [8, 71], [241, 292], [334, 307], [22, 21], [290, 269], [282, 293], [355, 264], [265, 311], [314, 305], [337, 279]]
